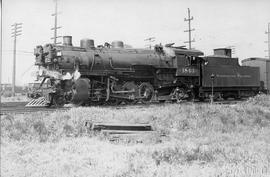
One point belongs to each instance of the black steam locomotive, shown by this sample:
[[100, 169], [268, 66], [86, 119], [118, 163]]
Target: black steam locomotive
[[113, 74]]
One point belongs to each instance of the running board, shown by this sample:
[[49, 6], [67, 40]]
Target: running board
[[39, 102]]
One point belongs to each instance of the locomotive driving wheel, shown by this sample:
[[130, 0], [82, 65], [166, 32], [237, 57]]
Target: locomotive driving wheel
[[114, 101], [179, 94], [146, 92], [131, 86]]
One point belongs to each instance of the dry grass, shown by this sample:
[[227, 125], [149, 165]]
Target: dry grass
[[197, 140]]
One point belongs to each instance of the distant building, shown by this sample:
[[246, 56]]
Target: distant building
[[8, 87], [5, 87], [264, 65]]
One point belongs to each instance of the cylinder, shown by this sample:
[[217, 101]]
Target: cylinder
[[87, 43], [117, 44], [67, 40]]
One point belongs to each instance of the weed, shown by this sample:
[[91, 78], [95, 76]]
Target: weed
[[198, 140]]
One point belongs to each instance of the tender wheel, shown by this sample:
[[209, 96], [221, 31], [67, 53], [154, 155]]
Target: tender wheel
[[202, 99], [146, 92], [225, 98]]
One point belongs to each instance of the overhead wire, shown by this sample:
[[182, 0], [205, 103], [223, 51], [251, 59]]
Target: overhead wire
[[27, 70], [19, 52]]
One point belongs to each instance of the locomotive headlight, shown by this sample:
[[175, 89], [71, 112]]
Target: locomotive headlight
[[58, 53]]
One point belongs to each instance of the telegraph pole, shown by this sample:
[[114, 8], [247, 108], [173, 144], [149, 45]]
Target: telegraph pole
[[55, 28], [1, 13], [268, 32], [16, 31], [189, 29]]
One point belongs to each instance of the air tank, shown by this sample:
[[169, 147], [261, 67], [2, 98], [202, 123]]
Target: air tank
[[87, 43], [67, 40], [117, 44]]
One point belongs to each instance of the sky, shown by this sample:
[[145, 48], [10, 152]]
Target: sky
[[217, 23]]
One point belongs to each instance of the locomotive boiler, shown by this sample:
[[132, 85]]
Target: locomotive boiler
[[112, 74]]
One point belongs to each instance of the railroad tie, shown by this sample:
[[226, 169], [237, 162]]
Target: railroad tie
[[108, 128]]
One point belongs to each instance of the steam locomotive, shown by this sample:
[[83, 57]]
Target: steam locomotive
[[112, 74]]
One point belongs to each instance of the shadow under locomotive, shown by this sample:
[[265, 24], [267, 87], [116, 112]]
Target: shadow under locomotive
[[112, 74]]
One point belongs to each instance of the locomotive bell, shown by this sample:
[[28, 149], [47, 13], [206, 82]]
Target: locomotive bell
[[87, 43], [117, 44], [67, 40]]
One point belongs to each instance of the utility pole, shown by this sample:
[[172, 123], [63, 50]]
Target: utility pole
[[267, 68], [1, 54], [268, 32], [55, 14], [189, 29], [16, 31]]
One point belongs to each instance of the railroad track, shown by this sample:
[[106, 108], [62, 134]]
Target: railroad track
[[23, 110], [140, 105], [19, 107], [230, 102]]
